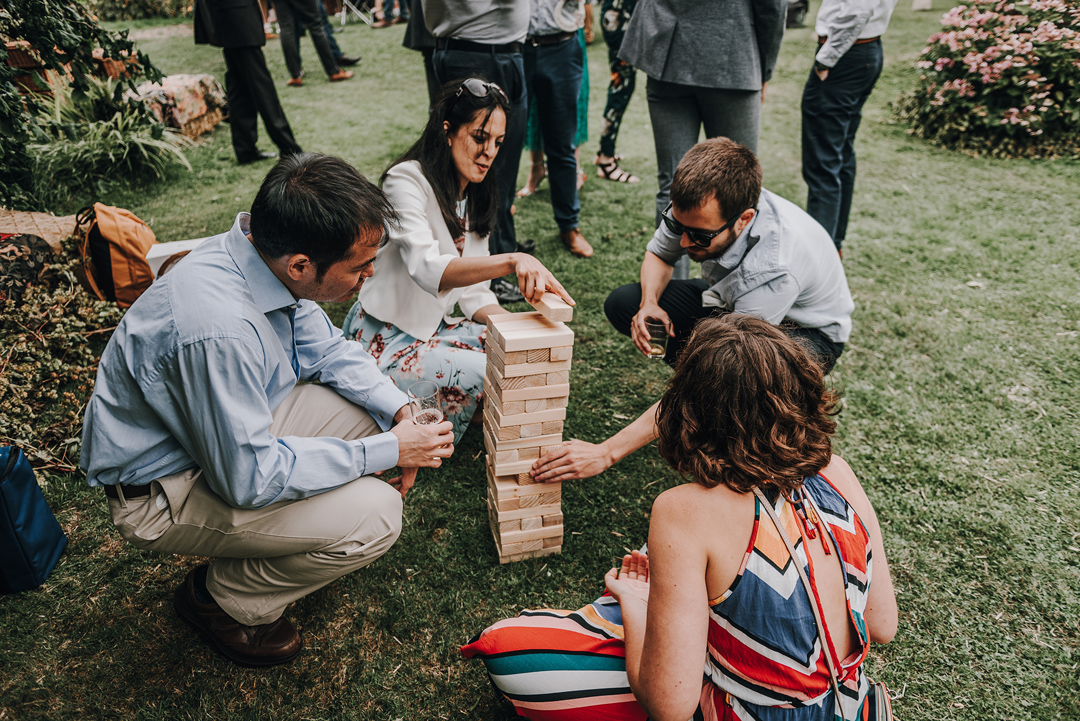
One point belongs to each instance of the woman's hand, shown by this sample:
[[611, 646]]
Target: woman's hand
[[534, 279], [630, 583]]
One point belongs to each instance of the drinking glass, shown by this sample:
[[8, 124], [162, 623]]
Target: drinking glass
[[425, 402], [658, 338]]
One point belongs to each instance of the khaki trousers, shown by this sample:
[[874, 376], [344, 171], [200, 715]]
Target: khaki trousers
[[269, 557]]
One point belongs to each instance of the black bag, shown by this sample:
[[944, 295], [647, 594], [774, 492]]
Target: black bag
[[31, 540]]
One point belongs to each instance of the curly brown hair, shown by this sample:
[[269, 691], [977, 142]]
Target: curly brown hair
[[747, 407]]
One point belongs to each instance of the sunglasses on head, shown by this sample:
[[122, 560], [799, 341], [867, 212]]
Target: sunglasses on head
[[481, 89], [700, 238]]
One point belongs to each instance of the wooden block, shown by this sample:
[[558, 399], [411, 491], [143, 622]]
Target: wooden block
[[541, 499], [543, 494], [551, 427], [554, 542], [509, 371], [553, 403], [496, 383], [493, 444], [554, 308], [517, 454], [513, 558], [508, 504], [538, 355], [535, 406], [552, 519], [558, 378], [544, 450], [562, 353], [519, 513], [493, 349], [509, 526], [555, 414], [527, 331], [527, 524], [525, 479], [518, 382], [531, 430], [513, 468], [512, 549], [533, 535]]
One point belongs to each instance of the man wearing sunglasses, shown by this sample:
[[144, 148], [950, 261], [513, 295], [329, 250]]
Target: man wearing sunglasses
[[760, 255]]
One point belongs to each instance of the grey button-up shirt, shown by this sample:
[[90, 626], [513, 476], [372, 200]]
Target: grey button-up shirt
[[782, 266]]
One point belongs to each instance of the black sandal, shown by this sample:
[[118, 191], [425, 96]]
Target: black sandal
[[611, 171]]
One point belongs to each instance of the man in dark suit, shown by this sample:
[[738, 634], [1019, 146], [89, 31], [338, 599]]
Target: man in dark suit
[[236, 26]]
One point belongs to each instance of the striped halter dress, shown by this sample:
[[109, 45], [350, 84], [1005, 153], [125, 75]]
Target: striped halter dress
[[765, 658]]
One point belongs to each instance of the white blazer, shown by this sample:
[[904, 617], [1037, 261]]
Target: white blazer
[[405, 288]]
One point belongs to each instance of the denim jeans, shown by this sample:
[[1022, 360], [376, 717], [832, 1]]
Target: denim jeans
[[507, 70], [831, 111], [553, 77]]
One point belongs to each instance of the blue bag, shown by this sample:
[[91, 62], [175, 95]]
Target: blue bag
[[31, 540]]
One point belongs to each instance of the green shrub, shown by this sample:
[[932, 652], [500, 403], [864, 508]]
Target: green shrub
[[51, 340], [96, 141], [1001, 78], [140, 9]]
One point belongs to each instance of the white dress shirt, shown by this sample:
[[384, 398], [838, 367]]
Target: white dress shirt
[[845, 21]]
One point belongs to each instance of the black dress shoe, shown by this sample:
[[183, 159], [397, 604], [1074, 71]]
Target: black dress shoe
[[261, 155], [529, 246], [268, 644], [347, 61], [506, 291]]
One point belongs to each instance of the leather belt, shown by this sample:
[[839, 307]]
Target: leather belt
[[129, 491], [861, 41], [553, 39], [470, 47]]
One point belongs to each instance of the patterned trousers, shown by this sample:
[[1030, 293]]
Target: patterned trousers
[[614, 16]]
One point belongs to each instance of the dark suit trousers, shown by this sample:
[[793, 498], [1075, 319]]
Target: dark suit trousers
[[251, 93], [681, 300], [307, 12]]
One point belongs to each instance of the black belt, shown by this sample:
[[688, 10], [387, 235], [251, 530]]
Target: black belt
[[553, 39], [470, 47], [129, 491], [823, 38]]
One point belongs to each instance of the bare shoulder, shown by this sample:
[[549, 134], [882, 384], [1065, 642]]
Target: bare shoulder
[[692, 507]]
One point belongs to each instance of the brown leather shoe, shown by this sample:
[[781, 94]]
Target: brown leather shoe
[[576, 242], [268, 644], [295, 82], [341, 75]]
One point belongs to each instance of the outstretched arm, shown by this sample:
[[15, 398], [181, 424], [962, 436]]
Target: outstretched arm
[[577, 459]]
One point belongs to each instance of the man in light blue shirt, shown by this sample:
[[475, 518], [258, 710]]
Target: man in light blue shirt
[[205, 443], [760, 255]]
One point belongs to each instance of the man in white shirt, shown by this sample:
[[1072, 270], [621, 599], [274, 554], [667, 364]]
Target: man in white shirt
[[846, 67]]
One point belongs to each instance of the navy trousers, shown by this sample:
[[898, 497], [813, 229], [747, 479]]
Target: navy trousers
[[831, 111], [507, 70], [553, 78]]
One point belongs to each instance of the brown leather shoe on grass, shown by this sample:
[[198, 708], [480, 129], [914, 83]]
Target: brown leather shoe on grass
[[268, 644], [295, 82], [576, 242], [341, 75]]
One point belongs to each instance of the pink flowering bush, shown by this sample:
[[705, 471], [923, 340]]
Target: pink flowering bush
[[1001, 78]]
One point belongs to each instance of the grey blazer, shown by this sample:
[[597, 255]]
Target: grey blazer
[[729, 44]]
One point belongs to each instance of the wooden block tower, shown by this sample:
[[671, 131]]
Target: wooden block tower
[[526, 391]]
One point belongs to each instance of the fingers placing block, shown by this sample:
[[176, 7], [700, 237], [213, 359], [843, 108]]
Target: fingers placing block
[[554, 308], [527, 331]]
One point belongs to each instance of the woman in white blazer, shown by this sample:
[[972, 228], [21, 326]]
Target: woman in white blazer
[[437, 255]]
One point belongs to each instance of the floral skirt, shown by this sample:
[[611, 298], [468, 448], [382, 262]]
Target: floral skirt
[[454, 358]]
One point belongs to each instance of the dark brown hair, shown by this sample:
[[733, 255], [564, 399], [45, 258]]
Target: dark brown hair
[[717, 168], [747, 407], [457, 107]]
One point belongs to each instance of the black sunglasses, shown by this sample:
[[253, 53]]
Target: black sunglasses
[[700, 238], [480, 89]]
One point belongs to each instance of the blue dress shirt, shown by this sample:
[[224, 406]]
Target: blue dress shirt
[[192, 374]]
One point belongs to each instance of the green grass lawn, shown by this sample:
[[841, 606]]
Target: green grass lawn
[[960, 381]]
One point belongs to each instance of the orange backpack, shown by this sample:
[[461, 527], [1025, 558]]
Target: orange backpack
[[113, 247]]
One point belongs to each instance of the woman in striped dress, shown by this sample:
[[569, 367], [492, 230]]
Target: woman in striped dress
[[714, 622]]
